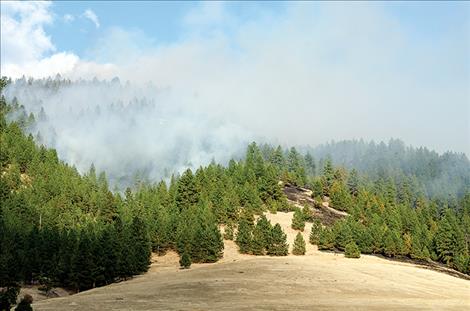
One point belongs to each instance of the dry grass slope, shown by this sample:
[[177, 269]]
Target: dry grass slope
[[317, 281]]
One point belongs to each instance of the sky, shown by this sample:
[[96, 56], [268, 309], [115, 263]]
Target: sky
[[292, 73]]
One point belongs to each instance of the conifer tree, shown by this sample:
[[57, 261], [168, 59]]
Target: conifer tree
[[353, 183], [186, 191], [327, 239], [244, 237], [310, 164], [258, 242], [141, 245], [352, 250], [314, 237], [298, 221], [185, 260], [278, 242], [299, 245], [327, 177]]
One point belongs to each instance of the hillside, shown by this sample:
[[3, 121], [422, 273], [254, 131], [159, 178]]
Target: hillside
[[316, 281]]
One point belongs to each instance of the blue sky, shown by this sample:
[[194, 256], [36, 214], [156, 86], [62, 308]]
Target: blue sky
[[163, 22], [375, 69]]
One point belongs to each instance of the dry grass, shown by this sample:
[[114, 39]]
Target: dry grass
[[317, 281]]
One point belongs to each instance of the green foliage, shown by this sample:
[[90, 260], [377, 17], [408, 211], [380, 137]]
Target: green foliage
[[352, 250], [25, 303], [299, 245], [185, 260], [314, 237], [8, 296], [298, 220], [261, 236], [340, 197], [72, 231], [244, 236], [326, 240], [278, 242]]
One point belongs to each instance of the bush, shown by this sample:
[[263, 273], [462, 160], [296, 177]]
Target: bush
[[185, 261], [299, 245], [352, 250]]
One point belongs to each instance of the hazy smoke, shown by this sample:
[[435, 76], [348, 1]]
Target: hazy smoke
[[128, 132], [302, 75]]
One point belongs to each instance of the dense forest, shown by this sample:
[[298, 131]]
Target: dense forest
[[438, 175], [61, 228]]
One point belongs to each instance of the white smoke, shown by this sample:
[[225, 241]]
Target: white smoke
[[129, 132], [305, 75]]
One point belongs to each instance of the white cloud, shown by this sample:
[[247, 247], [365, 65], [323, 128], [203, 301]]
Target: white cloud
[[23, 38], [27, 50], [68, 18], [92, 17]]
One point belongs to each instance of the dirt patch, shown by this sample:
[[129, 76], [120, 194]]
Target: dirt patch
[[301, 197]]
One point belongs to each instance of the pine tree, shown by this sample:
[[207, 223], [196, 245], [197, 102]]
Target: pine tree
[[310, 164], [327, 239], [186, 191], [244, 237], [343, 234], [298, 221], [258, 242], [390, 247], [353, 183], [185, 260], [141, 245], [314, 237], [278, 242], [327, 177], [352, 250], [299, 245]]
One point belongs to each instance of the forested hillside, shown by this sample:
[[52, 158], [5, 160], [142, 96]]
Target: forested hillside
[[62, 228], [439, 175]]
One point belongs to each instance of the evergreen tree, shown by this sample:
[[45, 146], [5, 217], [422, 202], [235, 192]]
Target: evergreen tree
[[244, 236], [310, 164], [327, 177], [314, 237], [258, 242], [185, 260], [353, 183], [299, 245], [327, 239], [186, 191], [352, 250], [278, 242], [298, 221], [141, 245]]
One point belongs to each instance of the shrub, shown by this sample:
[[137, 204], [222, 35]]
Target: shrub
[[185, 260], [352, 250]]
